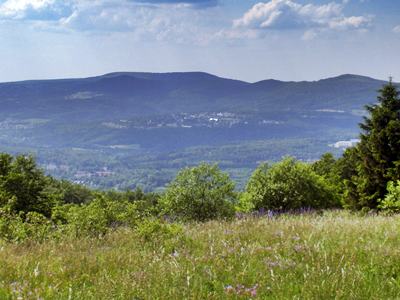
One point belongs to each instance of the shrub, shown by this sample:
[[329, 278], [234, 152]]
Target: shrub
[[150, 229], [288, 185], [15, 228], [87, 220], [391, 202], [201, 193], [97, 217], [12, 227], [147, 204]]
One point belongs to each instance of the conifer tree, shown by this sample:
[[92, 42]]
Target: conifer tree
[[379, 148]]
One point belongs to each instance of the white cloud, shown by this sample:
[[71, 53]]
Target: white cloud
[[181, 21], [359, 22], [396, 29], [15, 6], [288, 14], [33, 9], [161, 21]]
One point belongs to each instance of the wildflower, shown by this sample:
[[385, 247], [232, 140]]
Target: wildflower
[[252, 291], [239, 289], [298, 248], [273, 264], [229, 289], [296, 238]]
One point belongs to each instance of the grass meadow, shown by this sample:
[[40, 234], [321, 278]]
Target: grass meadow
[[334, 255]]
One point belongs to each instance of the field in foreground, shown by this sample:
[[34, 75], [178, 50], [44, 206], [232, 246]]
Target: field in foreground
[[329, 256]]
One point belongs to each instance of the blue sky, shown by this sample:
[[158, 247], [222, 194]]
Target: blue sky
[[243, 39]]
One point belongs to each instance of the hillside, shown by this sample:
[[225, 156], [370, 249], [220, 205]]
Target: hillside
[[162, 122]]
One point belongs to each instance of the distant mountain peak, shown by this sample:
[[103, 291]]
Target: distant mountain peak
[[351, 77]]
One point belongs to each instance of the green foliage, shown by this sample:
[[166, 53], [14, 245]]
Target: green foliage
[[289, 184], [22, 186], [97, 217], [67, 192], [33, 226], [147, 203], [12, 227], [150, 229], [348, 166], [378, 151], [391, 202], [329, 168], [201, 193]]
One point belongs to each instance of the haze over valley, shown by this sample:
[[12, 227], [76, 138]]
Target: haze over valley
[[125, 130]]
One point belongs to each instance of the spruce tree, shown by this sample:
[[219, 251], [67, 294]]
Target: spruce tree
[[379, 148]]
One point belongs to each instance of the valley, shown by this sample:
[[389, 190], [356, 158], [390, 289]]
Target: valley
[[128, 130]]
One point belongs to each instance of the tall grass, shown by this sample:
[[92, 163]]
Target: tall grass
[[336, 255]]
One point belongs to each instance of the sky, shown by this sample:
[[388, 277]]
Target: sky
[[242, 39]]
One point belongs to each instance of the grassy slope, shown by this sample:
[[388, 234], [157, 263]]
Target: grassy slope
[[302, 257]]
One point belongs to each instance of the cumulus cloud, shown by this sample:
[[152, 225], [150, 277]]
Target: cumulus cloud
[[174, 21], [288, 14], [177, 20], [34, 9]]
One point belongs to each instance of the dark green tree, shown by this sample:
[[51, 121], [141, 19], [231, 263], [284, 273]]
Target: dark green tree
[[379, 148], [22, 186]]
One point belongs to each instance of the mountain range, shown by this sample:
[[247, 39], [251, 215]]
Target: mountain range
[[121, 125]]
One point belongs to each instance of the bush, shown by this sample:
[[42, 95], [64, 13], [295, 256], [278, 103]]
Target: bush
[[391, 202], [12, 227], [97, 217], [201, 193], [87, 220], [287, 185], [147, 203], [15, 228], [150, 229]]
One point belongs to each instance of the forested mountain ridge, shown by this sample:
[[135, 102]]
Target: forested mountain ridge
[[130, 94], [131, 124]]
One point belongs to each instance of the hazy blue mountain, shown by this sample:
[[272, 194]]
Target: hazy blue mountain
[[169, 120], [126, 94]]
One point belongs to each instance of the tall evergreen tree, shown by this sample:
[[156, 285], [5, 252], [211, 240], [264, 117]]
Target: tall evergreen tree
[[379, 148]]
